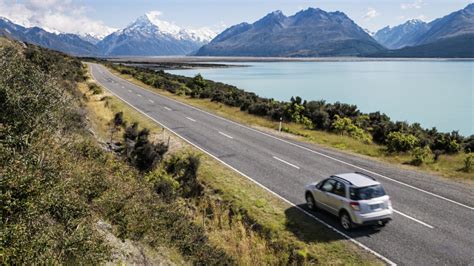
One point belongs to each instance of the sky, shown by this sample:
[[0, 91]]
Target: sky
[[103, 17]]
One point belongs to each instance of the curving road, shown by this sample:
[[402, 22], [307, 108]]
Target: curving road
[[433, 223]]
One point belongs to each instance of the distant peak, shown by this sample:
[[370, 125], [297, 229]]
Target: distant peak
[[277, 12], [313, 10], [415, 21]]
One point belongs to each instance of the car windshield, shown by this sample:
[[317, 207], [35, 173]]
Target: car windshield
[[365, 193]]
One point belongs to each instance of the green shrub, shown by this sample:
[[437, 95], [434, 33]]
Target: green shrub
[[313, 114], [400, 142], [96, 89], [468, 163], [344, 126], [164, 184], [184, 170], [421, 155]]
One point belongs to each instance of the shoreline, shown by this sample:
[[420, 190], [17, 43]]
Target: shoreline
[[230, 59]]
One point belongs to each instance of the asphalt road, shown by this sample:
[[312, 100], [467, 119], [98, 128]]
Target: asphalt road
[[433, 222]]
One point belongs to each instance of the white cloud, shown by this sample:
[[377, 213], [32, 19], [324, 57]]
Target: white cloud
[[54, 16], [371, 13], [416, 4]]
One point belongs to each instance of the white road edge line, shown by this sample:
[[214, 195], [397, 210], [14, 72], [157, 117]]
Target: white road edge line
[[189, 118], [308, 149], [283, 161], [225, 135], [380, 256], [414, 219], [167, 108]]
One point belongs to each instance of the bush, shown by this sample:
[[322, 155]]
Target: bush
[[163, 184], [344, 125], [314, 114], [468, 163], [469, 144], [320, 119], [139, 151], [421, 155], [94, 88], [184, 170], [400, 142]]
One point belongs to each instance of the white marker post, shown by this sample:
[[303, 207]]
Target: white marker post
[[279, 127]]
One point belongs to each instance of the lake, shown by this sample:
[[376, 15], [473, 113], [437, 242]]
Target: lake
[[434, 93]]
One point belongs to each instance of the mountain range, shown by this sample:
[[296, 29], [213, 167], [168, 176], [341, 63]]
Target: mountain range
[[148, 36], [65, 42], [417, 32], [309, 33]]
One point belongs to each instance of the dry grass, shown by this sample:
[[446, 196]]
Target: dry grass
[[280, 227], [447, 166]]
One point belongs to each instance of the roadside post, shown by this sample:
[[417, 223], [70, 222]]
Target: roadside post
[[279, 127]]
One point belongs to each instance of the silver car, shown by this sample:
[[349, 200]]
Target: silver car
[[356, 198]]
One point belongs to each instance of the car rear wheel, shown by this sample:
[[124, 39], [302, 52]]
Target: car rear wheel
[[310, 202], [346, 222]]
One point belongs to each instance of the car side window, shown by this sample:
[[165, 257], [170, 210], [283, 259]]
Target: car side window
[[340, 189], [328, 185]]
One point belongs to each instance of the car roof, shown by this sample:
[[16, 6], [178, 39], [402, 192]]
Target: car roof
[[358, 179]]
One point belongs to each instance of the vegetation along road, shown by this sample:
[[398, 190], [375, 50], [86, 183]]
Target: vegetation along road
[[432, 214]]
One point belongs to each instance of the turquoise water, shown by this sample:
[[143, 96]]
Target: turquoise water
[[433, 93]]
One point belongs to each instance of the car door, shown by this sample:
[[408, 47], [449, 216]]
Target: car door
[[337, 197], [324, 194]]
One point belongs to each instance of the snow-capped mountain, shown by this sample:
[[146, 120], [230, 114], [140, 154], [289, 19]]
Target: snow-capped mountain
[[416, 32], [65, 42], [90, 38], [406, 34], [150, 36]]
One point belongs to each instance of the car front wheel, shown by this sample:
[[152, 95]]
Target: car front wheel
[[310, 201]]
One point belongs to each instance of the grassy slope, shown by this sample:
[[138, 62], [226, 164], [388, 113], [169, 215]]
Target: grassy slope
[[447, 166], [280, 228]]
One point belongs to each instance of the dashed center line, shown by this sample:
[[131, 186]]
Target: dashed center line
[[283, 161], [413, 219], [189, 118], [167, 108], [139, 95], [225, 135], [129, 90], [151, 101]]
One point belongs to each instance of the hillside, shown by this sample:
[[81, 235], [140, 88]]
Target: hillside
[[88, 180], [455, 47], [308, 33]]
